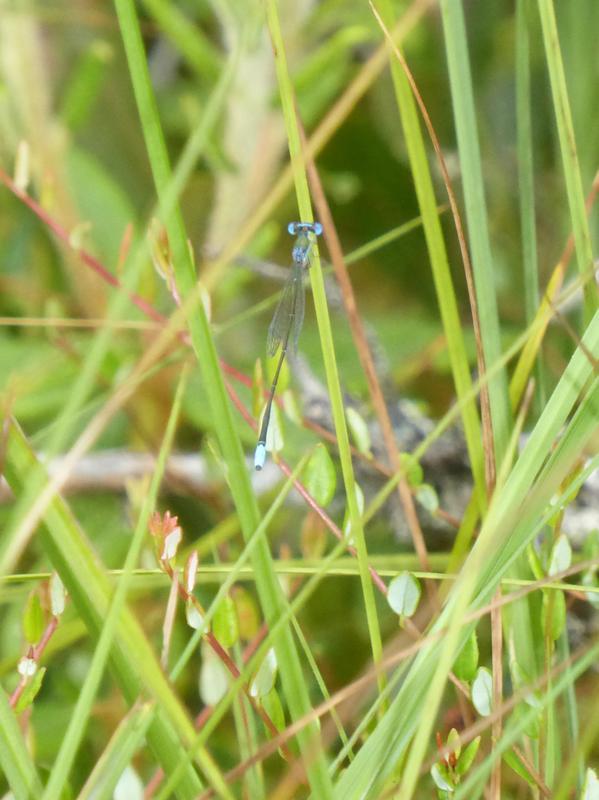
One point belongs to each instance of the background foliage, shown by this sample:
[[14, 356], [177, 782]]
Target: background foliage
[[97, 104]]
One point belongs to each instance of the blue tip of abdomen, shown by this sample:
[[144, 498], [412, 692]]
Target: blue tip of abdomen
[[260, 456]]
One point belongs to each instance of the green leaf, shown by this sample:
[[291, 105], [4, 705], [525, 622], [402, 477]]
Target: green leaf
[[320, 478], [129, 786], [57, 595], [16, 763], [347, 526], [33, 619], [428, 498], [482, 692], [404, 594], [313, 536], [359, 430], [442, 777], [128, 738], [468, 756], [224, 624], [265, 676], [193, 615], [554, 604], [30, 691], [466, 663], [214, 678], [512, 760], [271, 703], [248, 617], [453, 741], [561, 555], [590, 790], [589, 579], [414, 473]]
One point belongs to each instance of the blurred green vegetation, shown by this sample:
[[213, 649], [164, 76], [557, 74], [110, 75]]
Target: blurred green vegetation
[[69, 123]]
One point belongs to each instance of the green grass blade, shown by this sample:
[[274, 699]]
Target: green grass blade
[[269, 590], [80, 716], [123, 745], [325, 331], [17, 765], [134, 663], [567, 141], [526, 195], [187, 37], [509, 526], [456, 44], [444, 287]]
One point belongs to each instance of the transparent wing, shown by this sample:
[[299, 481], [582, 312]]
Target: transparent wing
[[283, 327], [300, 307]]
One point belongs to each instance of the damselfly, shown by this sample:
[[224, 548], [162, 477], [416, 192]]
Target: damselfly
[[288, 318]]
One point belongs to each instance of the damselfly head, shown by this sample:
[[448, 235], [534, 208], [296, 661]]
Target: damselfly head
[[296, 228], [303, 242]]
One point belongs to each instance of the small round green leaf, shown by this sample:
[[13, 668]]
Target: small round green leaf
[[266, 676], [57, 595], [482, 692], [561, 555], [271, 703], [427, 497], [347, 521], [466, 663], [224, 625], [129, 786], [404, 594], [320, 478], [442, 777], [553, 613], [248, 617], [359, 430], [214, 678], [414, 473], [33, 619], [195, 618], [590, 790]]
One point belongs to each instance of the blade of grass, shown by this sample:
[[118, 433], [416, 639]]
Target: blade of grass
[[269, 590], [526, 194], [187, 37], [79, 718], [444, 288], [456, 44], [323, 134], [567, 140], [324, 328], [15, 760], [123, 745], [133, 660], [505, 532], [17, 532], [525, 717]]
